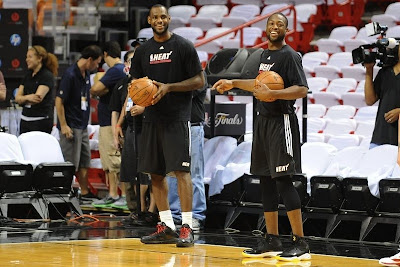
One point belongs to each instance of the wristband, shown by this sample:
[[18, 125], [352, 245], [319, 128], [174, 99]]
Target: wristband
[[117, 126]]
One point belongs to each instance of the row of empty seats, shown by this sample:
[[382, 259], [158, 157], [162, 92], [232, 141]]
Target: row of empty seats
[[333, 12], [347, 91], [374, 164], [341, 132], [340, 141], [227, 161], [391, 16], [353, 184], [367, 113], [337, 65], [340, 125], [219, 18], [334, 79], [259, 3], [345, 39]]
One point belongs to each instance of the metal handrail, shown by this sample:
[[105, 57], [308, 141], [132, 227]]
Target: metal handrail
[[240, 27]]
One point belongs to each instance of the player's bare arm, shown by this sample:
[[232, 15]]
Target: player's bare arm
[[226, 85], [290, 93]]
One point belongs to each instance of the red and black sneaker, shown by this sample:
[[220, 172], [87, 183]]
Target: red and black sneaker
[[186, 238], [163, 235]]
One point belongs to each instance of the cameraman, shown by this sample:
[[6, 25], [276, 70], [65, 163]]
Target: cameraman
[[386, 88]]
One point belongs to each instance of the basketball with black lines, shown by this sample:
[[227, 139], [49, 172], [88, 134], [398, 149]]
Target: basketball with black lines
[[141, 91], [271, 79]]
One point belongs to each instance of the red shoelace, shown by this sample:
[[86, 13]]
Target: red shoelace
[[185, 231], [160, 228]]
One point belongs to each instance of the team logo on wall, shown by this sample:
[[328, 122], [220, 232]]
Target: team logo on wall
[[15, 39], [15, 63], [15, 17]]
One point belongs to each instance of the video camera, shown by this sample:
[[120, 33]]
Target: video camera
[[384, 49]]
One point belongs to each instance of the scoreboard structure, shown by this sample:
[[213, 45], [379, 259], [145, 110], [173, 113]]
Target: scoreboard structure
[[14, 39]]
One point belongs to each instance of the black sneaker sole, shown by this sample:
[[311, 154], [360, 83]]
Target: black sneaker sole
[[184, 244], [267, 254], [302, 257], [169, 241]]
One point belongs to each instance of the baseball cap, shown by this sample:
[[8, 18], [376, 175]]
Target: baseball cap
[[138, 41]]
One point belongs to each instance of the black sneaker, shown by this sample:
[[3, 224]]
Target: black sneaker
[[89, 196], [299, 250], [146, 219], [130, 219], [186, 238], [270, 246], [163, 235]]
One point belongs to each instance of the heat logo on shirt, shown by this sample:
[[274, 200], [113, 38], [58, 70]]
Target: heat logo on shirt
[[265, 67], [160, 58]]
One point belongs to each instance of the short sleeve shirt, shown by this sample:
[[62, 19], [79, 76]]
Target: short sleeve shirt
[[287, 63], [387, 88], [31, 84], [74, 90], [110, 79], [172, 61]]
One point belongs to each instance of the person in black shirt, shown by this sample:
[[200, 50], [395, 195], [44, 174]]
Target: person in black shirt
[[36, 92], [172, 63], [73, 110], [386, 89], [276, 149]]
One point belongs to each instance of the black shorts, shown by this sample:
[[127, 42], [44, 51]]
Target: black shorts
[[164, 147], [128, 157], [144, 178], [276, 146]]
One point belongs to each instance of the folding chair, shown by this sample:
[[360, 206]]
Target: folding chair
[[52, 176], [16, 177]]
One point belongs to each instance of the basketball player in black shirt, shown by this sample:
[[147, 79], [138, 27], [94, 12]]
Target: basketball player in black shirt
[[276, 140], [172, 63]]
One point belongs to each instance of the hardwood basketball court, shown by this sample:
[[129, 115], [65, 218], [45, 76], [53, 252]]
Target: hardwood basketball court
[[131, 252]]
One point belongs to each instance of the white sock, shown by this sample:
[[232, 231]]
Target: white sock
[[187, 218], [166, 217]]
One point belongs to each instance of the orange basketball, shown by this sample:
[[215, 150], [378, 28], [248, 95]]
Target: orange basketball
[[141, 91], [271, 79]]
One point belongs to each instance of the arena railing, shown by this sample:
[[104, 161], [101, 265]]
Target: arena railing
[[257, 19]]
